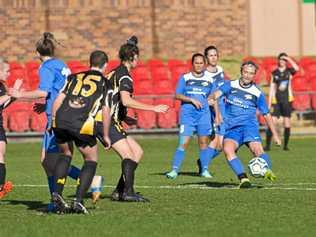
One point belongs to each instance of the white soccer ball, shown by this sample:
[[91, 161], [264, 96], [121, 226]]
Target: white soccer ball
[[257, 167]]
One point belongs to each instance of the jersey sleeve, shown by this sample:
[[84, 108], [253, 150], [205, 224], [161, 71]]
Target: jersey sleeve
[[180, 86], [67, 84], [292, 71], [225, 88], [262, 105], [46, 79], [126, 84], [107, 95]]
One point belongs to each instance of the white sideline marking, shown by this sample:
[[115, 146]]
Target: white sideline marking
[[228, 187]]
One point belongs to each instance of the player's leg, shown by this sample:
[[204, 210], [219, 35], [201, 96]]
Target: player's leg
[[204, 131], [257, 150], [232, 141], [5, 187], [275, 115], [185, 133], [87, 146], [287, 125]]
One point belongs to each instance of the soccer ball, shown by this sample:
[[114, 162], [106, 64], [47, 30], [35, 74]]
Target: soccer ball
[[257, 167]]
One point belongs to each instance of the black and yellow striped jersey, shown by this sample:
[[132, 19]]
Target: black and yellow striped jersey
[[85, 93], [120, 80]]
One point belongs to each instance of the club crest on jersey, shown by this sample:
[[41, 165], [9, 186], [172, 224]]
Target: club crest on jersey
[[204, 83], [248, 97]]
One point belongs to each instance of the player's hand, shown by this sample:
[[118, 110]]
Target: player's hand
[[14, 93], [161, 108], [218, 120], [17, 84], [211, 101], [196, 103], [39, 108], [107, 142], [277, 140]]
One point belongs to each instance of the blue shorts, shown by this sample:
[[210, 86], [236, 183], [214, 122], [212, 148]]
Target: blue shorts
[[243, 134], [49, 142], [200, 129], [220, 129]]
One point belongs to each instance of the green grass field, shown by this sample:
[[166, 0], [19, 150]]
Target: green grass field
[[187, 206]]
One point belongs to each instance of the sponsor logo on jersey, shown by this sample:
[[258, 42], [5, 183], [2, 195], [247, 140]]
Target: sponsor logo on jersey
[[248, 97]]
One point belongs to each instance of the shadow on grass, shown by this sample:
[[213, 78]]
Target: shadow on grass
[[31, 205], [192, 174], [212, 184]]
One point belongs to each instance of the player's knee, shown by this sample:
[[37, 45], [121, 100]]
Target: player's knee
[[257, 151]]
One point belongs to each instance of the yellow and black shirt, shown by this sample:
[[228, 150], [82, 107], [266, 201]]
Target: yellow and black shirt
[[84, 97], [282, 81], [120, 80]]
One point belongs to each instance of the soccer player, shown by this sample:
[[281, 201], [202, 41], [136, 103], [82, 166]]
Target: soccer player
[[73, 117], [5, 99], [192, 90], [243, 98], [128, 149], [281, 97], [215, 146], [53, 73]]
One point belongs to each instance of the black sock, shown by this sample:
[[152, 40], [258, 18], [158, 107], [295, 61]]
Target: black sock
[[2, 173], [121, 184], [49, 163], [269, 138], [128, 169], [61, 172], [243, 175], [86, 176], [287, 132]]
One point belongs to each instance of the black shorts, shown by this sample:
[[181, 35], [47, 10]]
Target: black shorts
[[81, 140], [3, 137], [283, 109]]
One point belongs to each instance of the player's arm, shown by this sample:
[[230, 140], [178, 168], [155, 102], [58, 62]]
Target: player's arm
[[57, 103], [218, 115], [264, 110], [272, 90], [292, 62], [106, 121], [126, 88], [6, 99], [223, 89], [180, 91]]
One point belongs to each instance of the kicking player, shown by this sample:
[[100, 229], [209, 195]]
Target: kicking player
[[216, 145], [281, 97], [53, 73], [128, 149], [5, 100], [243, 98], [192, 90], [73, 117]]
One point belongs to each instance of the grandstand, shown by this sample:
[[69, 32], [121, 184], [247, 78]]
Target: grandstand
[[155, 82]]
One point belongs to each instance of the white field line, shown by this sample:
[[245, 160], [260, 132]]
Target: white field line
[[228, 187]]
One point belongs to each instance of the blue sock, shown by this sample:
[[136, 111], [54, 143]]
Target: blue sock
[[216, 153], [74, 172], [177, 159], [236, 165], [206, 156], [266, 157], [51, 183]]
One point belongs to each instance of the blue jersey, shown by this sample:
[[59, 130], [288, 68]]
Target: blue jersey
[[53, 74], [242, 104], [218, 78], [198, 88]]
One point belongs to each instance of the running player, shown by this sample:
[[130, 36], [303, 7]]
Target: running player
[[5, 99], [281, 97], [53, 73], [214, 148], [192, 90], [243, 98], [128, 149], [73, 117]]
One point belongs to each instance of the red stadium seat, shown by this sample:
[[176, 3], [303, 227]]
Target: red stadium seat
[[166, 101], [269, 61], [38, 122], [33, 79], [163, 87], [140, 73], [15, 65], [302, 102], [311, 68], [174, 63], [112, 64], [253, 59], [5, 116], [168, 119], [18, 73], [306, 61], [146, 119], [79, 69], [313, 97], [176, 72], [31, 65], [144, 87], [155, 63], [19, 116], [159, 73], [300, 83]]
